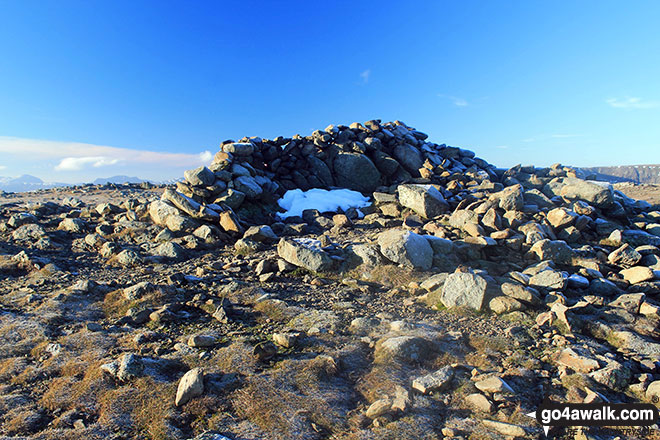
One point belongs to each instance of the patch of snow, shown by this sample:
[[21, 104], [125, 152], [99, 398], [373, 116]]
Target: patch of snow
[[295, 201]]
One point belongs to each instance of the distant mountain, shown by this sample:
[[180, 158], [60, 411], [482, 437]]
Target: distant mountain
[[117, 180], [627, 173], [25, 183]]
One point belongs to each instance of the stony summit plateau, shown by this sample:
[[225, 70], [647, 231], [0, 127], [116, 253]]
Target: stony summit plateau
[[447, 305]]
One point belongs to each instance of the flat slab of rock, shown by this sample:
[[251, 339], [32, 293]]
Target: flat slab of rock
[[436, 381], [305, 253], [637, 274]]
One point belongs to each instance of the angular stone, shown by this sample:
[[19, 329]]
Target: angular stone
[[436, 381], [262, 233], [189, 206], [355, 171], [379, 408], [637, 274], [461, 217], [130, 367], [504, 304], [190, 386], [305, 253], [229, 222], [493, 385], [424, 200], [464, 289], [582, 364], [405, 348], [549, 279], [74, 225], [409, 157], [248, 186], [514, 431], [479, 402], [561, 217], [626, 255], [200, 176], [406, 248], [555, 250], [159, 211], [238, 148], [592, 193], [138, 290], [170, 250], [510, 198]]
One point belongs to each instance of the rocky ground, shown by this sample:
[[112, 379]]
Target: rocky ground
[[447, 308]]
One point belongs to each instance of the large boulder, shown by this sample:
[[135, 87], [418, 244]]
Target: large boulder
[[320, 170], [305, 253], [409, 157], [406, 248], [597, 194], [355, 171], [464, 288], [425, 200]]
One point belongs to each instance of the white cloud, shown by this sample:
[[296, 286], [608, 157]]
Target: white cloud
[[458, 102], [2, 167], [631, 103], [78, 163], [365, 76], [75, 156]]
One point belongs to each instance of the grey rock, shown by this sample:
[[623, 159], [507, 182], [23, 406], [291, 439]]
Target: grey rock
[[556, 250], [138, 290], [626, 255], [239, 148], [464, 289], [425, 200], [306, 253], [190, 386], [160, 211], [404, 348], [436, 381], [248, 186], [593, 193], [170, 250], [409, 157], [74, 225], [549, 279], [128, 257], [201, 176], [130, 367], [29, 231], [355, 171], [406, 248]]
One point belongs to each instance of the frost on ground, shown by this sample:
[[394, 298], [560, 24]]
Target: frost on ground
[[295, 201]]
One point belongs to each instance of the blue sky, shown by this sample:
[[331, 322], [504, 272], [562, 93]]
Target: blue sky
[[91, 89]]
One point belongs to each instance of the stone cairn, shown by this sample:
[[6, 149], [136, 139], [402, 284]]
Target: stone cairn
[[255, 172]]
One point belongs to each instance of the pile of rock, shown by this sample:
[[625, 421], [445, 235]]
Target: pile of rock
[[361, 157]]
